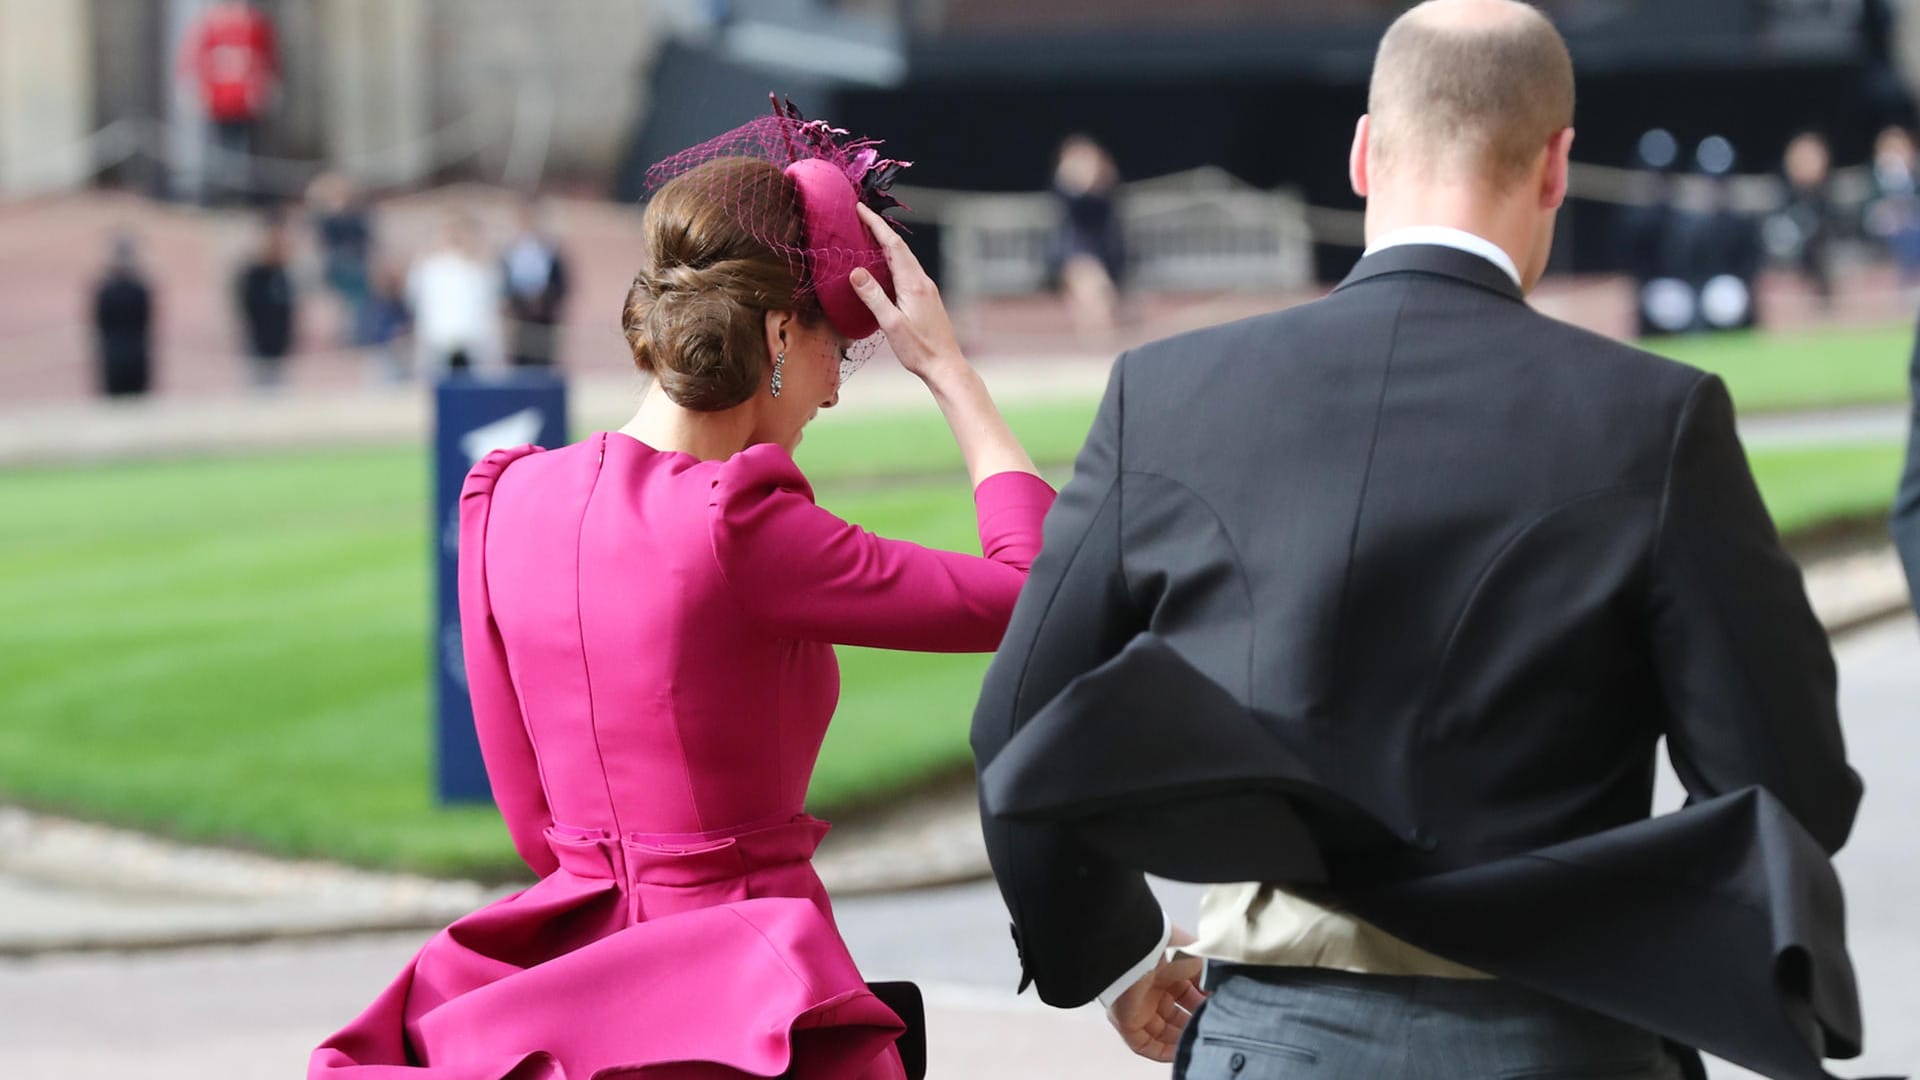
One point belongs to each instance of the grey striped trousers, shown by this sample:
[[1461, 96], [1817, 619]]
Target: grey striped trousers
[[1310, 1024]]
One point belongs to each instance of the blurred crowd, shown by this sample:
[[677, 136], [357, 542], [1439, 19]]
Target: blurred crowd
[[461, 306], [479, 301], [1696, 234], [1700, 233]]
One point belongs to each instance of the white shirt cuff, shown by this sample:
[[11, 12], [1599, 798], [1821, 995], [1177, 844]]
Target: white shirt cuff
[[1139, 971]]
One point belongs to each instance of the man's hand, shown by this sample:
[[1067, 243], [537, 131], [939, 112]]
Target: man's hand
[[1153, 1013]]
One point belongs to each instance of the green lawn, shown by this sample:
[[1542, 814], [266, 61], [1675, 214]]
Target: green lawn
[[849, 447], [235, 649], [1810, 485], [1774, 372]]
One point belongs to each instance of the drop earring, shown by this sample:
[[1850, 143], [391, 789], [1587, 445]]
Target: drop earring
[[779, 361]]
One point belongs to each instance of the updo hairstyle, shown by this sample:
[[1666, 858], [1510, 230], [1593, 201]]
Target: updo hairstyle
[[695, 316]]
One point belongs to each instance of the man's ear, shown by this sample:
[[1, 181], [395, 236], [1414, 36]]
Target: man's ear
[[1553, 184], [1359, 157]]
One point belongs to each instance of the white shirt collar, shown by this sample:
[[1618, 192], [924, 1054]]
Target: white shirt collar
[[1458, 239]]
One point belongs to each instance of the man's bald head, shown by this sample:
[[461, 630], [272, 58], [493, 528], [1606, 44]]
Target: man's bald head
[[1469, 90]]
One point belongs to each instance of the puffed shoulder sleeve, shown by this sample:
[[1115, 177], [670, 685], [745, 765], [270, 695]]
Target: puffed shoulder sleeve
[[486, 472], [809, 574], [512, 771]]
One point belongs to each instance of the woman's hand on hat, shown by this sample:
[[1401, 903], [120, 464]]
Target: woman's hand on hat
[[915, 321]]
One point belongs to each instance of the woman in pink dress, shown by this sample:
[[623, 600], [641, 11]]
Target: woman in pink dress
[[649, 619]]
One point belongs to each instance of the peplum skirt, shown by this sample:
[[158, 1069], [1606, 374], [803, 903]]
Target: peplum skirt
[[687, 957]]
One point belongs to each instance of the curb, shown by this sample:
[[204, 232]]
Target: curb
[[78, 886], [1864, 619], [923, 840], [28, 946], [1855, 588]]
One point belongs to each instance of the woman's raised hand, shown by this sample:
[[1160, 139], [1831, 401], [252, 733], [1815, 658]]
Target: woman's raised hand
[[915, 322], [917, 327]]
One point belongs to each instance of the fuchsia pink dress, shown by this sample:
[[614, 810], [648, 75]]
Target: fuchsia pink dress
[[649, 643]]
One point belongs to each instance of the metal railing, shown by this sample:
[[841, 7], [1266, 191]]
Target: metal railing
[[1198, 230], [1205, 229]]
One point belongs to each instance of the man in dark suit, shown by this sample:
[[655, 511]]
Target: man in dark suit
[[263, 293], [123, 324], [1906, 505], [1373, 611], [534, 272]]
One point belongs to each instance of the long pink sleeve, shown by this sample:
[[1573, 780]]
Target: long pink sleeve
[[511, 768], [808, 574]]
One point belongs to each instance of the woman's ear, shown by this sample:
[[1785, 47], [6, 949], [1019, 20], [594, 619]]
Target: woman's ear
[[777, 323]]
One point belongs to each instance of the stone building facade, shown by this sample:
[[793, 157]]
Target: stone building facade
[[395, 92]]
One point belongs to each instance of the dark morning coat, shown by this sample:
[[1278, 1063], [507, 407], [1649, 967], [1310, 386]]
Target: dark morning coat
[[1391, 596]]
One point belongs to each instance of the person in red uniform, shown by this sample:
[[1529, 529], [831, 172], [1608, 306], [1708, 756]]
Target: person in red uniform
[[232, 55]]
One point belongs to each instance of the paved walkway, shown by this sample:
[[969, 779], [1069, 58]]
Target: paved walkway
[[256, 1013]]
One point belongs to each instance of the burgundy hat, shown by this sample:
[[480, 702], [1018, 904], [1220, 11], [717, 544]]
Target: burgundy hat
[[833, 173]]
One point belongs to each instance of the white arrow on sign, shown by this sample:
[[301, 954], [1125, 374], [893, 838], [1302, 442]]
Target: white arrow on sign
[[516, 429]]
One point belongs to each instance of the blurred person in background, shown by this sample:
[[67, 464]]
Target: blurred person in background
[[1884, 89], [1723, 245], [1647, 234], [123, 323], [1892, 215], [1802, 231], [387, 322], [233, 57], [343, 231], [454, 295], [535, 272], [1088, 254], [264, 297], [1643, 221]]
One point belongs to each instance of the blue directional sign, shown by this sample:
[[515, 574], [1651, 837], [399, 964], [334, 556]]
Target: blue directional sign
[[471, 420]]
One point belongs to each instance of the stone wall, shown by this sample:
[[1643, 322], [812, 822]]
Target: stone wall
[[395, 91], [46, 95], [554, 86]]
